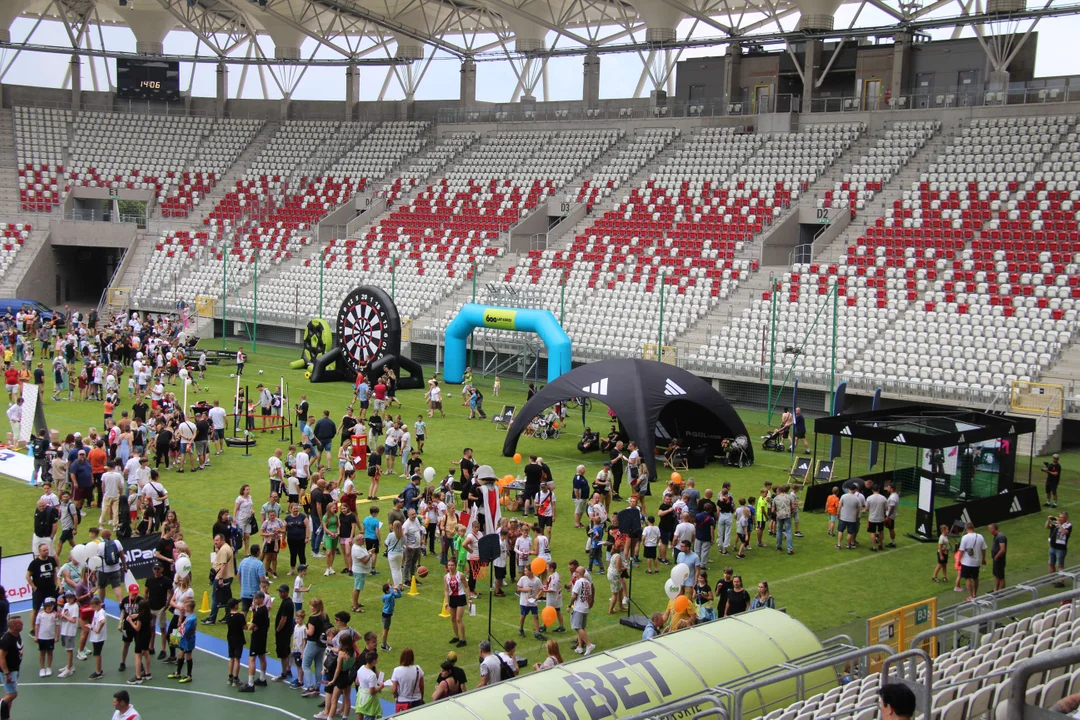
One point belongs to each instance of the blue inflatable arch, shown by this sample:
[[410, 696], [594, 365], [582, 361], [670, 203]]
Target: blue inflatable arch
[[472, 316]]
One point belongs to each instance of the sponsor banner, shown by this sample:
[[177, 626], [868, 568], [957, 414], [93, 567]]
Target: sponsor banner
[[139, 553], [500, 318], [13, 577], [1021, 500], [16, 465]]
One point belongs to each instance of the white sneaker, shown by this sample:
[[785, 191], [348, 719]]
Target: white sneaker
[[327, 573], [83, 656], [41, 672], [331, 571], [578, 650], [589, 649], [48, 672], [63, 673]]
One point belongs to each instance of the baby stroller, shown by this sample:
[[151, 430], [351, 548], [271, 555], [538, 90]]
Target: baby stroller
[[773, 441], [736, 452], [546, 427]]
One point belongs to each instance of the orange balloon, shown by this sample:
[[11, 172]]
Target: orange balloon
[[555, 424], [549, 616], [517, 458], [676, 478], [681, 603], [538, 565]]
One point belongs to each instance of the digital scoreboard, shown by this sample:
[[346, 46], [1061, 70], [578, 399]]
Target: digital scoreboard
[[148, 79]]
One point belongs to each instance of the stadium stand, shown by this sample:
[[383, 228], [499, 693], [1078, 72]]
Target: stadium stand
[[936, 276], [685, 227], [430, 244], [41, 137]]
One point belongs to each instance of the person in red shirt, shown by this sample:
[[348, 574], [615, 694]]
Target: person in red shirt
[[11, 383], [379, 393]]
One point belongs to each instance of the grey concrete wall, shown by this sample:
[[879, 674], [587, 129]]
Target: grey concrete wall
[[95, 234], [521, 235], [781, 240], [41, 281]]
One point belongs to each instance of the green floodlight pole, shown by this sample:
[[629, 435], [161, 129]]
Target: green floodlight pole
[[322, 269], [772, 344], [832, 371], [224, 289], [660, 330], [562, 297], [393, 278], [472, 338], [255, 308]]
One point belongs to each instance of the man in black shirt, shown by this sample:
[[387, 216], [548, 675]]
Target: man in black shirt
[[617, 459], [41, 574], [158, 589], [11, 651], [260, 628], [283, 628], [203, 428], [325, 432], [46, 523], [42, 463], [319, 501], [139, 410], [1053, 477], [468, 466], [534, 474], [164, 553], [161, 445], [302, 411], [348, 422]]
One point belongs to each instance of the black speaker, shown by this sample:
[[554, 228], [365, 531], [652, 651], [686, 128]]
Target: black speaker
[[489, 548], [630, 521], [697, 458]]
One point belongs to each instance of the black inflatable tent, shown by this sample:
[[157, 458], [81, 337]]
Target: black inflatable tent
[[654, 402]]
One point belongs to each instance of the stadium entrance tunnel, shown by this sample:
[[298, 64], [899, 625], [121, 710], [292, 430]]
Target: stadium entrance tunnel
[[77, 275]]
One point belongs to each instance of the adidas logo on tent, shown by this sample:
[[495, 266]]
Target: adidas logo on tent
[[899, 438], [1016, 506], [922, 529], [961, 438], [964, 517], [670, 388], [846, 430], [597, 388]]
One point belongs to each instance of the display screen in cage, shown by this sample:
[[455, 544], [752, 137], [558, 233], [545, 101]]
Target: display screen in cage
[[148, 79]]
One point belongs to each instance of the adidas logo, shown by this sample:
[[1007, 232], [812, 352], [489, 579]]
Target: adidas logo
[[899, 438], [846, 430], [922, 529], [961, 438], [597, 388], [670, 388], [1016, 506], [964, 517]]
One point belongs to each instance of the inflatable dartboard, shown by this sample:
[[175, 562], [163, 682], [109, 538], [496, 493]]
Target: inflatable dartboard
[[368, 327]]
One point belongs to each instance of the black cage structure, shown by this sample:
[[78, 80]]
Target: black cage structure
[[960, 464]]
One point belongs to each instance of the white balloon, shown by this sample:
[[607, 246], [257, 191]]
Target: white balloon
[[94, 563], [429, 474], [183, 566], [183, 372], [187, 382], [79, 553], [679, 573], [671, 589]]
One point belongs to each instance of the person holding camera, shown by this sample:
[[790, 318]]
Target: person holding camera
[[1053, 477], [1060, 530]]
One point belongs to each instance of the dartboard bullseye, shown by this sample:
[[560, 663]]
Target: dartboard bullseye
[[368, 327]]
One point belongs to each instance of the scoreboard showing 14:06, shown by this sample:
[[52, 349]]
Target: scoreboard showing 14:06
[[148, 79]]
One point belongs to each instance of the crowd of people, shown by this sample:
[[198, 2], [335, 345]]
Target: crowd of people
[[311, 507]]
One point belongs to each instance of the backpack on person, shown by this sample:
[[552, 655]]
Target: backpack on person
[[505, 671], [110, 554]]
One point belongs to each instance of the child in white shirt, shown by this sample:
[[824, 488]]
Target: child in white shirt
[[69, 628], [299, 641], [45, 633]]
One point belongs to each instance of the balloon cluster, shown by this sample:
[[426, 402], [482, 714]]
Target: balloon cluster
[[673, 587]]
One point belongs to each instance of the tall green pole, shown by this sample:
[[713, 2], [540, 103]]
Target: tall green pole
[[393, 278], [322, 269], [224, 289], [772, 348], [835, 319], [472, 338], [255, 308], [562, 297], [660, 330]]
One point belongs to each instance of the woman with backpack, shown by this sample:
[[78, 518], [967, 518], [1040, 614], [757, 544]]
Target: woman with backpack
[[342, 677], [447, 684]]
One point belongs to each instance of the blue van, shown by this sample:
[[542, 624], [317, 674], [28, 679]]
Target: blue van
[[13, 305]]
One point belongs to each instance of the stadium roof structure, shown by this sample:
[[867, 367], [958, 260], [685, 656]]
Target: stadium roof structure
[[924, 426], [523, 32]]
